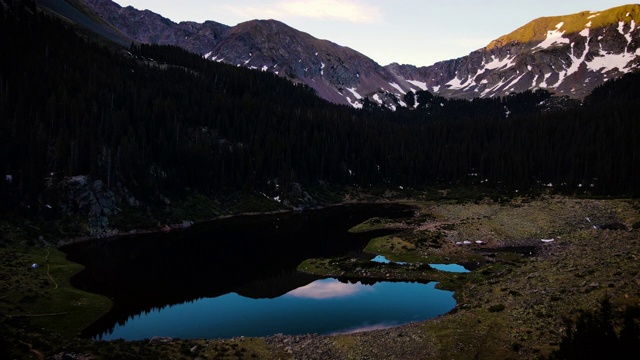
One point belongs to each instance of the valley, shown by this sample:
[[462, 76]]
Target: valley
[[514, 302], [154, 165]]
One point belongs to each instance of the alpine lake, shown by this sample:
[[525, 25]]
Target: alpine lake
[[237, 277]]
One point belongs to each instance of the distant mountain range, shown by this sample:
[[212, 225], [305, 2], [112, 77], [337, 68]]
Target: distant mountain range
[[567, 55]]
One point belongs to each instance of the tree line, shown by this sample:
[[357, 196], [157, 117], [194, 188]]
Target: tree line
[[160, 120]]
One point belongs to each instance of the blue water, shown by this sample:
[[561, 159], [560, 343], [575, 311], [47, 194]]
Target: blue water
[[383, 260], [324, 307], [450, 268], [442, 267]]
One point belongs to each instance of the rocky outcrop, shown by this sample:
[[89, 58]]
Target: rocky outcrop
[[148, 27], [80, 195]]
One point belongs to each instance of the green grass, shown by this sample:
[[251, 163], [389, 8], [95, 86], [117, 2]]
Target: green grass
[[536, 30], [42, 298], [535, 293]]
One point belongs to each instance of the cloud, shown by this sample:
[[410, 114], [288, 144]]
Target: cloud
[[365, 327], [350, 11], [354, 11]]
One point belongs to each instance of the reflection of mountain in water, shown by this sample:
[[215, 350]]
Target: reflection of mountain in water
[[325, 306], [255, 256]]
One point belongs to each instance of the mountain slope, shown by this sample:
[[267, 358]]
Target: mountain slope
[[338, 74], [150, 28], [568, 55], [77, 12]]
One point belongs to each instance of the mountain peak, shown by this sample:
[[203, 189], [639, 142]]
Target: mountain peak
[[567, 55], [538, 29]]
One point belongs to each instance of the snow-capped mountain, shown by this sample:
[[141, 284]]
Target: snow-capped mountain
[[337, 73], [567, 55]]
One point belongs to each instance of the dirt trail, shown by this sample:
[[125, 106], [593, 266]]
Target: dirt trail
[[46, 260]]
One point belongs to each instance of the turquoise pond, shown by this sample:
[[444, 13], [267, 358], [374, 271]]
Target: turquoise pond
[[442, 267]]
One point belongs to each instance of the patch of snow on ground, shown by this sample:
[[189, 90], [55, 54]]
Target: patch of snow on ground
[[628, 35], [397, 87], [543, 84], [515, 81], [554, 37], [456, 83], [355, 93], [421, 85], [585, 32], [377, 98], [607, 61], [492, 90], [621, 27], [499, 64], [436, 88], [265, 68], [356, 104], [322, 68], [588, 24], [577, 61], [208, 54]]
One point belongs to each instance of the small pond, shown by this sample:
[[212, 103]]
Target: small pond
[[455, 268]]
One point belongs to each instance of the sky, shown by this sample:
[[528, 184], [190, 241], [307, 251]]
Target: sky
[[417, 32]]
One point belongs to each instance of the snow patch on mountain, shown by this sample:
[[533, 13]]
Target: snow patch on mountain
[[494, 64], [554, 37], [396, 86], [355, 93], [421, 84], [609, 61]]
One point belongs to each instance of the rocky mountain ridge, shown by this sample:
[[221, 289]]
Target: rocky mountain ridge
[[566, 55], [337, 73]]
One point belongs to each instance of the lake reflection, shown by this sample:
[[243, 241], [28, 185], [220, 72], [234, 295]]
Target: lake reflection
[[324, 306], [253, 256]]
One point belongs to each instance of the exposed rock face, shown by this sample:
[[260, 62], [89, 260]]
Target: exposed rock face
[[150, 28], [337, 73], [89, 198], [567, 55]]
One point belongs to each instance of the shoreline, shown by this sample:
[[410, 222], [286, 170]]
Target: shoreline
[[167, 228]]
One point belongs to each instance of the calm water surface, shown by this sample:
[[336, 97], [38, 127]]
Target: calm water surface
[[237, 277], [324, 306]]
